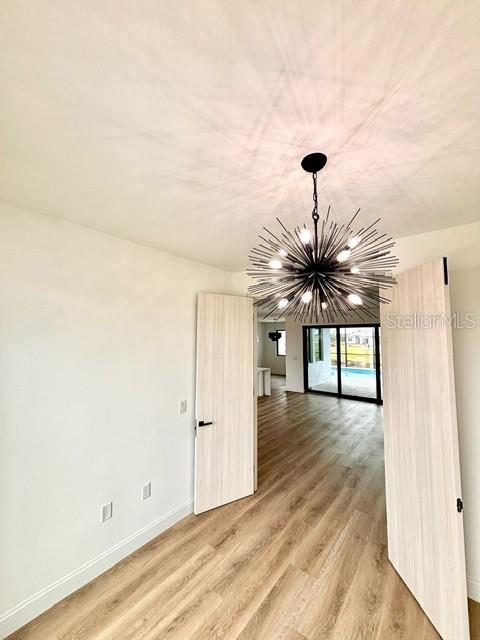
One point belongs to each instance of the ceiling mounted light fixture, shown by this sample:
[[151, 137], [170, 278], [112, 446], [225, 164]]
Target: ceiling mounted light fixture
[[329, 272]]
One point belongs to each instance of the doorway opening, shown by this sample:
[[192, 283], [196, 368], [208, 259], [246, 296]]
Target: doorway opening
[[271, 351], [343, 361]]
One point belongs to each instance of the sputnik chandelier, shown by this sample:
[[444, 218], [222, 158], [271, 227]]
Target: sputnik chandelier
[[324, 274]]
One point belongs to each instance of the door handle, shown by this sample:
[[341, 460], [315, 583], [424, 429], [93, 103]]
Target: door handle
[[201, 423]]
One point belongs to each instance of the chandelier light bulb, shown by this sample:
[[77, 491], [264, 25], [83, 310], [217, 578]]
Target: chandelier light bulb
[[307, 296], [343, 255], [354, 242], [283, 253], [275, 264], [283, 303], [355, 270], [324, 305], [305, 235], [354, 298]]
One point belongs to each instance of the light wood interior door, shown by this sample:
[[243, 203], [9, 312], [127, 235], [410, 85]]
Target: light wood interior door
[[225, 397], [425, 527]]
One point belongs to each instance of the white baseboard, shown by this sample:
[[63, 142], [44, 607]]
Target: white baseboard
[[32, 607], [473, 586]]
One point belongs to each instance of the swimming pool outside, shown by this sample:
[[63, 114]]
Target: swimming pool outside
[[353, 371], [356, 381]]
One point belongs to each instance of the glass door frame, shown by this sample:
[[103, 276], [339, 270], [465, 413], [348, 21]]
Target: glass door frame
[[338, 394]]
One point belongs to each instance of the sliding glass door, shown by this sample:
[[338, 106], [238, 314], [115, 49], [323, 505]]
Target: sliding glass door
[[343, 361]]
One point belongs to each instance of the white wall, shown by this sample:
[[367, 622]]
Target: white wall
[[294, 357], [267, 349], [465, 294], [461, 245], [97, 348]]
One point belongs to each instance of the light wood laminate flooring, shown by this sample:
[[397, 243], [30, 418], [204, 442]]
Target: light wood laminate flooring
[[305, 558]]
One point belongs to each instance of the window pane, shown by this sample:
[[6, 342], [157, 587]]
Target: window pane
[[358, 362], [322, 371], [314, 345]]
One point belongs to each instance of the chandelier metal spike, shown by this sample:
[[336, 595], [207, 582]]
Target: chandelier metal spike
[[327, 274]]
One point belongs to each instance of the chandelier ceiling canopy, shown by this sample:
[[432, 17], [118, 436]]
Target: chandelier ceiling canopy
[[324, 274]]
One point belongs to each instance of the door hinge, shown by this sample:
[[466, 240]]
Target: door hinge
[[445, 271], [459, 505]]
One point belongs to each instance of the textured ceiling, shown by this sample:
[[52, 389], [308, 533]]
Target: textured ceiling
[[181, 125]]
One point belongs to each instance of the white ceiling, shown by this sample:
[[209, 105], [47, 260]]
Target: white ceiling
[[181, 125]]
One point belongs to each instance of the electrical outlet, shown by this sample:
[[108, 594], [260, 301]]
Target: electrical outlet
[[183, 406], [146, 490], [107, 511]]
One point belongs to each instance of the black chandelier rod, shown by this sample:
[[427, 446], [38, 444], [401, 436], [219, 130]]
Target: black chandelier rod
[[315, 215]]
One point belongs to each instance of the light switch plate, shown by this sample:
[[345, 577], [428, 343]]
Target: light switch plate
[[146, 490], [107, 511], [183, 406]]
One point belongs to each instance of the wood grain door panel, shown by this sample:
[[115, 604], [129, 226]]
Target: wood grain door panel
[[425, 530], [225, 396]]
